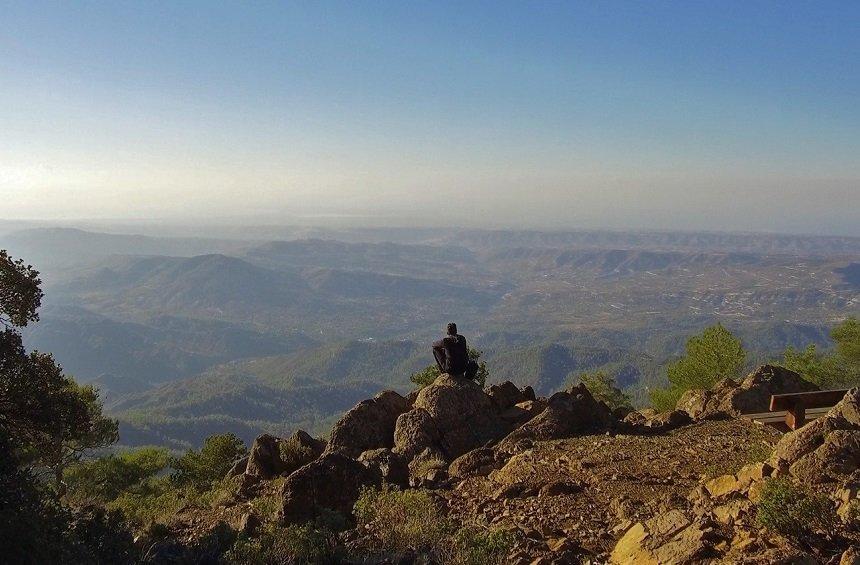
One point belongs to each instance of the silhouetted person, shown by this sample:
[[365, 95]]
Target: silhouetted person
[[451, 353]]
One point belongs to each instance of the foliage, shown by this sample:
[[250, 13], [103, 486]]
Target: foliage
[[402, 520], [36, 528], [710, 357], [306, 544], [847, 338], [602, 387], [430, 373], [268, 504], [153, 500], [476, 546], [46, 421], [405, 521], [105, 478], [200, 469], [293, 453], [835, 369], [792, 511], [20, 291]]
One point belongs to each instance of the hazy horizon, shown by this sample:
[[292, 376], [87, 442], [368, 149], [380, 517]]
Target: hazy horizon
[[620, 116]]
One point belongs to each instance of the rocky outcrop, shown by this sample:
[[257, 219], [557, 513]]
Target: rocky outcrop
[[390, 466], [750, 396], [566, 414], [827, 448], [451, 416], [332, 482], [264, 459], [479, 462], [506, 394], [368, 425], [414, 432], [271, 456], [522, 412], [669, 537]]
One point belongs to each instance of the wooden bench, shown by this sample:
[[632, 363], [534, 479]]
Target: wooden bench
[[799, 407], [791, 411]]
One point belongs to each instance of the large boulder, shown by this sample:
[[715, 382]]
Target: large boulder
[[567, 414], [390, 466], [332, 482], [506, 394], [750, 396], [827, 448], [264, 459], [271, 456], [465, 416], [368, 425], [414, 432], [477, 462]]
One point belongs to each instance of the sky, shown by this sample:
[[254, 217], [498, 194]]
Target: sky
[[558, 115]]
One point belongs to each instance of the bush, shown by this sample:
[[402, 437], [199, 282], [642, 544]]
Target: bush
[[200, 469], [309, 543], [104, 479], [294, 454], [407, 521], [401, 520], [602, 387], [714, 355], [154, 500], [474, 546], [792, 511]]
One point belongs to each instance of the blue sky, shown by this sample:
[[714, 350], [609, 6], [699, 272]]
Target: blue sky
[[679, 115]]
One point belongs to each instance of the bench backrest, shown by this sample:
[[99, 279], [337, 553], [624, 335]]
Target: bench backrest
[[817, 399]]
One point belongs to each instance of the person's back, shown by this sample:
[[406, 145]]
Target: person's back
[[451, 352]]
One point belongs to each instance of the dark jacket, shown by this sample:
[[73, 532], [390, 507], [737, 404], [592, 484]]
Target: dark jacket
[[452, 355]]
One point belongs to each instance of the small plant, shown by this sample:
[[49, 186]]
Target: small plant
[[424, 466], [294, 454], [401, 520], [792, 511], [200, 469], [475, 546], [306, 544], [602, 387], [154, 500]]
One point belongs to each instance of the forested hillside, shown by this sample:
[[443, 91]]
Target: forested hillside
[[186, 336]]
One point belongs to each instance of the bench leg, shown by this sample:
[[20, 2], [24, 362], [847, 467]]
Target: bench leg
[[795, 417]]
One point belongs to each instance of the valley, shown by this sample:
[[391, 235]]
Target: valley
[[191, 336]]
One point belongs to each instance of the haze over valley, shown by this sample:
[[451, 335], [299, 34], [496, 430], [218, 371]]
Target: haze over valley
[[189, 336]]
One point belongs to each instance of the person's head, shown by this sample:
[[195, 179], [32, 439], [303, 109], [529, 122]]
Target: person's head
[[451, 328]]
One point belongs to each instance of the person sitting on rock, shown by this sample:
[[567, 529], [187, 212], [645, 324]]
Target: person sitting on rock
[[451, 353]]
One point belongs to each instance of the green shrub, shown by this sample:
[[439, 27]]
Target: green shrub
[[294, 454], [154, 500], [475, 546], [276, 545], [602, 387], [714, 355], [105, 478], [200, 469], [404, 521], [792, 511], [401, 520]]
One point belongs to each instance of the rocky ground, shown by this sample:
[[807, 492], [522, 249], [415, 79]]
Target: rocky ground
[[572, 481]]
